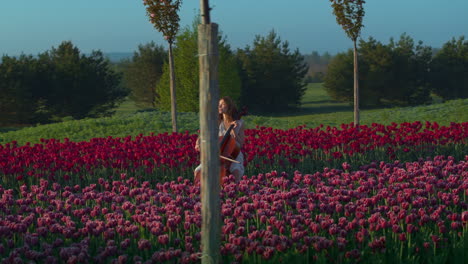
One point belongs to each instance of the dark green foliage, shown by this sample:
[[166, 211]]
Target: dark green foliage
[[272, 75], [80, 85], [187, 73], [57, 84], [338, 82], [449, 70], [375, 73], [22, 89], [143, 72], [410, 84], [390, 75]]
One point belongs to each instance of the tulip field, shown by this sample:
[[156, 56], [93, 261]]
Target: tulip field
[[374, 194]]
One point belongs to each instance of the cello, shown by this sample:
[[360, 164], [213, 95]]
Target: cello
[[229, 150]]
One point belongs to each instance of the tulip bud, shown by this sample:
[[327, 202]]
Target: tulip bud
[[464, 216]]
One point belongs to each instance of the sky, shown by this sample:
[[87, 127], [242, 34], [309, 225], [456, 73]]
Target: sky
[[35, 26]]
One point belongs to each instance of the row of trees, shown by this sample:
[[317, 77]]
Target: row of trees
[[265, 77], [400, 73], [63, 83], [56, 84]]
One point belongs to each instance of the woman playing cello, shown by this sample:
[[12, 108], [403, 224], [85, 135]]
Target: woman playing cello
[[227, 116]]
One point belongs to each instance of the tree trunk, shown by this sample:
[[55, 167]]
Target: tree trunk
[[172, 84], [356, 87], [209, 143], [153, 96]]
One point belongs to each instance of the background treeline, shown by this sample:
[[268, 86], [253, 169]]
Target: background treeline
[[400, 73], [266, 76], [57, 84], [269, 77], [318, 65]]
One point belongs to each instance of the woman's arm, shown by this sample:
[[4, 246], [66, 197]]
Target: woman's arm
[[239, 136], [197, 144]]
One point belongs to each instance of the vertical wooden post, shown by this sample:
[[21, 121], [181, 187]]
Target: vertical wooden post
[[172, 85], [209, 144]]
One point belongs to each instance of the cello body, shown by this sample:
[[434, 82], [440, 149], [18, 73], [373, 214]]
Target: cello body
[[229, 149]]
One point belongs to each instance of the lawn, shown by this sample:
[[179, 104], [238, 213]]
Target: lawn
[[317, 109]]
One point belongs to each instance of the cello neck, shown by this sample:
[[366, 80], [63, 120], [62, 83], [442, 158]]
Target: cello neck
[[226, 135]]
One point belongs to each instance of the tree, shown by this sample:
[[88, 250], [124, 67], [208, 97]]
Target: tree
[[408, 84], [80, 86], [143, 72], [58, 83], [349, 14], [163, 15], [22, 89], [448, 70], [338, 81], [389, 75], [273, 76], [187, 75], [375, 72]]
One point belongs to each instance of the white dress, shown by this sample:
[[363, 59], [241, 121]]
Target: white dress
[[240, 157]]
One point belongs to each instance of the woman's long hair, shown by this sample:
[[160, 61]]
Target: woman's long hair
[[232, 113]]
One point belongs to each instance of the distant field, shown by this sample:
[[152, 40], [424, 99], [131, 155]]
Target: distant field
[[317, 101], [318, 108], [127, 107]]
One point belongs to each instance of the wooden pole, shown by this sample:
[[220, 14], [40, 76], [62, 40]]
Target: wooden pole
[[356, 87], [209, 143], [205, 11]]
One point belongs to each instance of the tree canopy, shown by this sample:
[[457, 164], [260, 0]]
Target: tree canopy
[[272, 75], [143, 72], [393, 74], [58, 83], [449, 70], [163, 14], [187, 73]]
